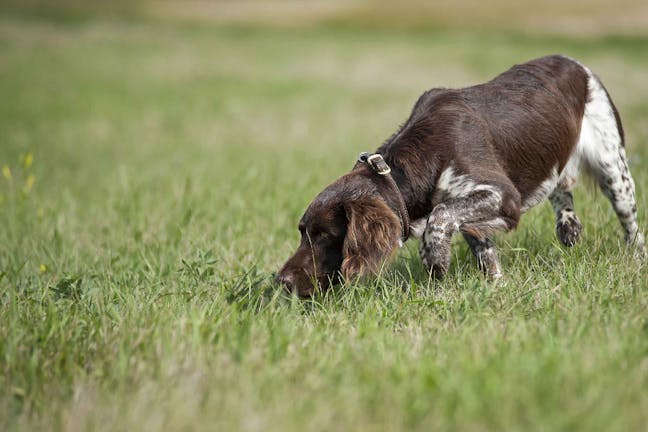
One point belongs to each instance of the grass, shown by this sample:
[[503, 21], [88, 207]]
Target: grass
[[153, 177]]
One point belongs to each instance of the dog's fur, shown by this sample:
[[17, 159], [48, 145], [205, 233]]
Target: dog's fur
[[472, 160]]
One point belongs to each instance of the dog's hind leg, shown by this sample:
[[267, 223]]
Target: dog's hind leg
[[568, 227], [602, 145], [486, 254], [616, 182]]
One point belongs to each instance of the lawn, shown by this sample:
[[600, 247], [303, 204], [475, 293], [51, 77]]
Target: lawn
[[153, 174]]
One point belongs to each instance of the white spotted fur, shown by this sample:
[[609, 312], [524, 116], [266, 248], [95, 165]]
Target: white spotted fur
[[458, 186], [566, 216], [601, 151], [452, 185]]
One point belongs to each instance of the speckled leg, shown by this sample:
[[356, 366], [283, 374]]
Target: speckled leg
[[568, 227], [616, 183], [434, 247], [602, 144]]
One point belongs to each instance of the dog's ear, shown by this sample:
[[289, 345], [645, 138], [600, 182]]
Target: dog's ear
[[373, 234]]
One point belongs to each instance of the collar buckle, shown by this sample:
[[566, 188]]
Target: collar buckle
[[375, 162]]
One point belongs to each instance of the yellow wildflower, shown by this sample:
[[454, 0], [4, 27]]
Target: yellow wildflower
[[29, 160], [29, 183], [6, 172], [42, 268]]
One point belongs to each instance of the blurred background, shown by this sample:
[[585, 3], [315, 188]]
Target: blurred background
[[174, 121], [156, 156], [140, 114], [576, 17]]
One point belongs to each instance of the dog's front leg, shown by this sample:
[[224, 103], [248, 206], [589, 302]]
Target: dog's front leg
[[486, 254], [434, 247], [477, 215]]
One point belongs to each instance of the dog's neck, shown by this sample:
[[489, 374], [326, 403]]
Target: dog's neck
[[417, 192], [413, 194]]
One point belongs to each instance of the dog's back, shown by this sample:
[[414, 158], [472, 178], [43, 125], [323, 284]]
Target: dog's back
[[533, 113]]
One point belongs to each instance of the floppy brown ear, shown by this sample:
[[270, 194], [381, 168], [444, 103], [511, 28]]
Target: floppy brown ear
[[373, 233]]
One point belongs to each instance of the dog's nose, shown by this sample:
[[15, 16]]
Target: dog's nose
[[286, 279]]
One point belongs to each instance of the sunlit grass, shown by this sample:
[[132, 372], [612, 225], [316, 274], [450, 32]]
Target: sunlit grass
[[152, 179]]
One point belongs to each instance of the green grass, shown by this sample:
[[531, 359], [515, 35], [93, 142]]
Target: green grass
[[171, 164]]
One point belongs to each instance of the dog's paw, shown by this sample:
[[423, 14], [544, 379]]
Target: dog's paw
[[436, 258], [437, 266], [438, 271], [568, 230]]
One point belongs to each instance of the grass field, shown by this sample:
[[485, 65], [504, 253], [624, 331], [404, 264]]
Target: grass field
[[153, 173]]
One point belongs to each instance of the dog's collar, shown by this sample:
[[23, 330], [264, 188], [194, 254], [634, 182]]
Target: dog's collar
[[378, 165]]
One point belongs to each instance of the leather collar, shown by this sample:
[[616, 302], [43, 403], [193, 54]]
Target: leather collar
[[377, 164]]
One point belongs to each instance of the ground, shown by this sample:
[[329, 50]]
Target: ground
[[153, 174]]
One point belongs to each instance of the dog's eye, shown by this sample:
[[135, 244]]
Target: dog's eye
[[317, 235]]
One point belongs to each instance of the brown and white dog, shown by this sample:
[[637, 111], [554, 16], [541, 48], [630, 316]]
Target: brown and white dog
[[470, 160]]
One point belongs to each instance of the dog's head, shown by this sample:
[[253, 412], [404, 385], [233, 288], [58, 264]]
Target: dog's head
[[347, 231]]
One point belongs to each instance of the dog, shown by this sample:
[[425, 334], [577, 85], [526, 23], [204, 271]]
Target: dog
[[470, 160]]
